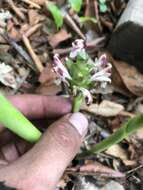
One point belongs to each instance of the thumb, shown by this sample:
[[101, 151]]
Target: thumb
[[48, 159], [63, 139]]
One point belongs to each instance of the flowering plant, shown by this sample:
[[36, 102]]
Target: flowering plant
[[81, 74]]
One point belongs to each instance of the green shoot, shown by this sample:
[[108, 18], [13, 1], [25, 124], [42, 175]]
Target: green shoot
[[76, 5], [86, 19], [15, 121], [56, 13], [127, 129]]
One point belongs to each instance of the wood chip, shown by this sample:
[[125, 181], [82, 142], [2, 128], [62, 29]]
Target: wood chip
[[33, 54], [17, 11], [33, 4]]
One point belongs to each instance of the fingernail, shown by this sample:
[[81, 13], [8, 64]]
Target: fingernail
[[80, 123]]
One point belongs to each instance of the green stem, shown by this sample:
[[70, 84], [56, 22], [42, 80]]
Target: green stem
[[15, 121], [77, 102], [128, 128]]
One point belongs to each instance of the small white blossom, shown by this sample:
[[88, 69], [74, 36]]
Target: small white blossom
[[78, 47], [87, 95], [60, 69], [102, 71], [98, 72]]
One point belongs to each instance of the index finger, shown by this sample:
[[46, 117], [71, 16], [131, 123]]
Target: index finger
[[38, 106]]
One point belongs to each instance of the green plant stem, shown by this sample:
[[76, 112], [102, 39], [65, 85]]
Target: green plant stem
[[15, 121], [127, 129], [77, 102]]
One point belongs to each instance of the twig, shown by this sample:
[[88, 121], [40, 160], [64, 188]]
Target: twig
[[92, 44], [73, 25], [32, 53], [131, 106], [35, 5], [95, 42], [134, 169], [62, 51], [97, 174], [16, 10], [32, 30], [97, 15], [127, 114], [106, 23], [20, 50]]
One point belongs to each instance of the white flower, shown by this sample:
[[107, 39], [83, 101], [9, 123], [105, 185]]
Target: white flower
[[102, 71], [60, 69], [86, 93], [78, 48], [98, 72]]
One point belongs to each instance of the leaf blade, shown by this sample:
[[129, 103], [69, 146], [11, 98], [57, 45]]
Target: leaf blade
[[76, 4], [56, 13], [86, 19]]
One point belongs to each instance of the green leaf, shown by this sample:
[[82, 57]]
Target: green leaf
[[103, 7], [86, 19], [127, 129], [76, 4], [102, 1], [56, 13]]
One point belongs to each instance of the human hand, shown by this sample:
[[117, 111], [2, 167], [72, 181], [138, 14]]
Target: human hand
[[41, 167]]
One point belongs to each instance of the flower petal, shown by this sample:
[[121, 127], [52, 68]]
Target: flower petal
[[87, 94], [78, 47], [60, 69]]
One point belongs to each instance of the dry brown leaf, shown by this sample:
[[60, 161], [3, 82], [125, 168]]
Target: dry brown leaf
[[118, 152], [59, 37], [96, 167], [34, 17], [127, 78], [47, 75], [48, 89], [105, 108], [48, 86], [13, 31], [15, 34]]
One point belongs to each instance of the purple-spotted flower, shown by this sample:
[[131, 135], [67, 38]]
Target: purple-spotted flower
[[81, 74], [78, 47], [60, 69]]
